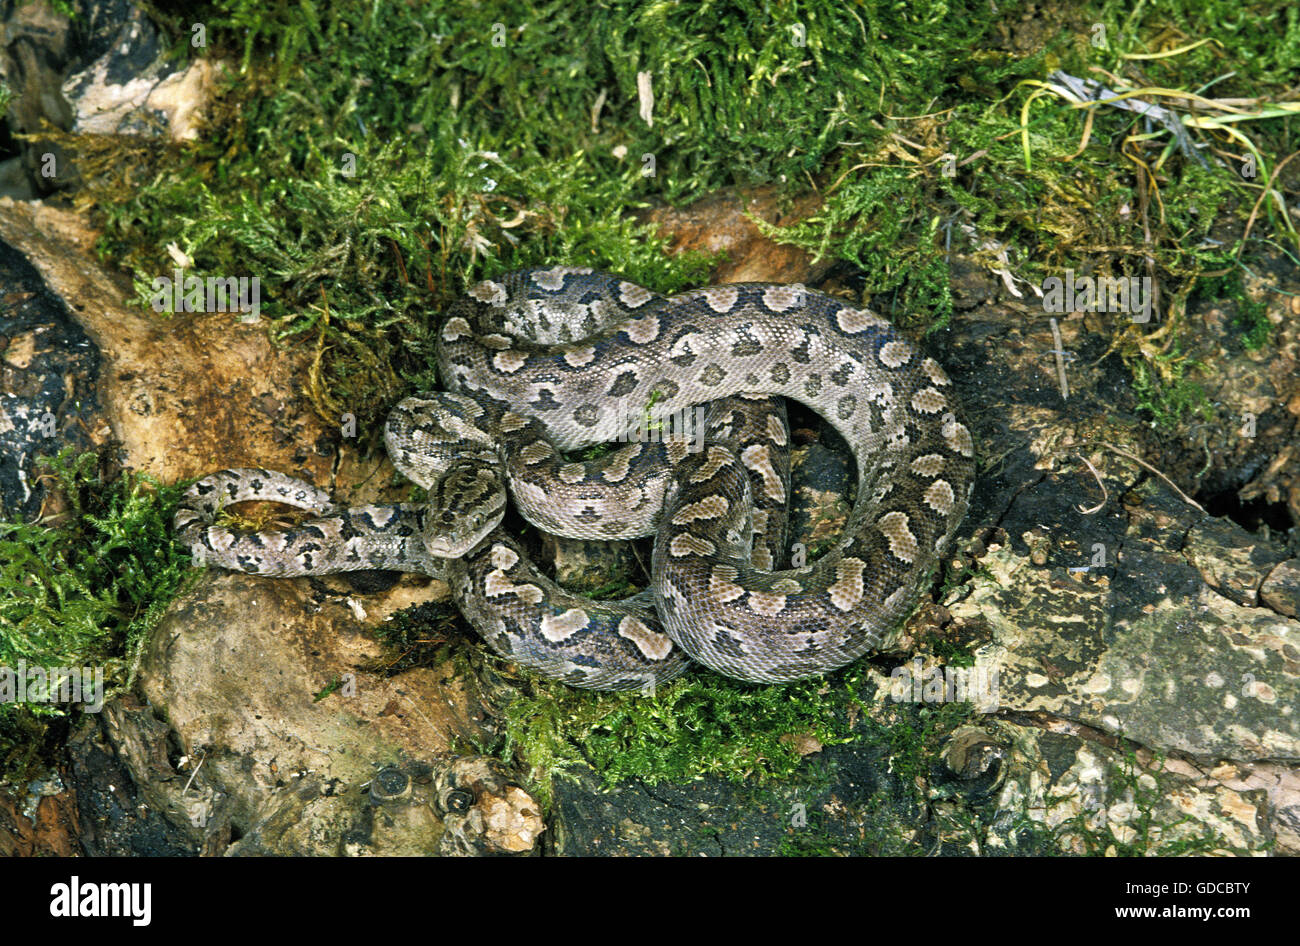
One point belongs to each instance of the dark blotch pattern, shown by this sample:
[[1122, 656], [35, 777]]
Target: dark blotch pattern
[[625, 383], [713, 374], [545, 401]]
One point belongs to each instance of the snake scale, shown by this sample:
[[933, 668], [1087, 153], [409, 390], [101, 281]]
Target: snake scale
[[542, 361]]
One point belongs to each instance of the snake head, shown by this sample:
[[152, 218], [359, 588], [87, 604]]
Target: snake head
[[426, 434], [465, 504]]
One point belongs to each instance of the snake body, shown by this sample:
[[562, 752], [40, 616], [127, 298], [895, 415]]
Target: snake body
[[541, 361]]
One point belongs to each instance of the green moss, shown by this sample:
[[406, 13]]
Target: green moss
[[701, 724], [953, 653], [1228, 289], [808, 840], [333, 686], [475, 151], [1177, 395], [1251, 319], [83, 590], [705, 724]]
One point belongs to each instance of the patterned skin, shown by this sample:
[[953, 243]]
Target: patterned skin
[[545, 360]]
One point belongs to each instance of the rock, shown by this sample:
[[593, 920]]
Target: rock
[[40, 822], [184, 396], [854, 804], [47, 371], [1281, 589], [484, 812], [972, 284], [724, 223], [102, 70], [1231, 560], [586, 565], [132, 89], [995, 788], [293, 745], [1153, 656], [36, 45], [1067, 792], [120, 764], [820, 497]]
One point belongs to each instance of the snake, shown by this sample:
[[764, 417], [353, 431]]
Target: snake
[[541, 362]]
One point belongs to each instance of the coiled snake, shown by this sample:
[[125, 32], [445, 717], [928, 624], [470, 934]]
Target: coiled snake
[[540, 361]]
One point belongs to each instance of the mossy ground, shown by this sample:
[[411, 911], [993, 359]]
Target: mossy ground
[[367, 160], [1149, 831], [82, 588], [699, 725]]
